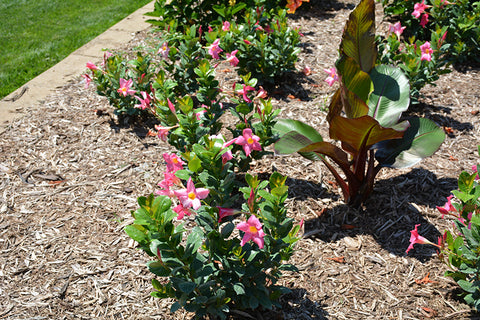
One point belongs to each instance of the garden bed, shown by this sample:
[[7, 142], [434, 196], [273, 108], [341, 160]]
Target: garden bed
[[71, 171]]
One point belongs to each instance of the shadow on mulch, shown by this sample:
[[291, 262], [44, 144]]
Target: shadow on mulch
[[389, 214], [320, 9]]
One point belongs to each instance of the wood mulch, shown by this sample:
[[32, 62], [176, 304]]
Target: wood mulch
[[70, 173]]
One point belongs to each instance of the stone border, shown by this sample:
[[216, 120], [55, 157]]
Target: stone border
[[37, 89]]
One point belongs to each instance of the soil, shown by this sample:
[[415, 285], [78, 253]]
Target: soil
[[70, 173]]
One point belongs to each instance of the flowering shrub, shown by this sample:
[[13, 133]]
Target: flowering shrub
[[373, 98], [232, 258], [421, 61], [423, 19], [460, 249]]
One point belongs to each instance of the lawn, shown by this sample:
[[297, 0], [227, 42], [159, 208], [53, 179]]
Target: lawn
[[35, 35]]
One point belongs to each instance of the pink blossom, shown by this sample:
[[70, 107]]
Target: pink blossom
[[419, 8], [174, 163], [224, 212], [232, 58], [164, 50], [199, 114], [397, 29], [248, 140], [145, 102], [244, 92], [424, 20], [171, 106], [191, 196], [247, 42], [261, 93], [87, 80], [226, 26], [268, 29], [91, 66], [162, 132], [253, 231], [307, 71], [426, 51], [210, 29], [182, 211], [474, 169], [227, 155], [332, 76], [214, 49], [169, 180], [416, 238], [125, 87], [447, 207]]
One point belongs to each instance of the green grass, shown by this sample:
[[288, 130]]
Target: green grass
[[36, 34]]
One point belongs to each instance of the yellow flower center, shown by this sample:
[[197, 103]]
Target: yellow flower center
[[250, 141], [175, 160], [253, 229], [124, 89], [191, 195]]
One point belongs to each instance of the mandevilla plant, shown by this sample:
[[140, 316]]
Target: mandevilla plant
[[460, 250], [373, 98]]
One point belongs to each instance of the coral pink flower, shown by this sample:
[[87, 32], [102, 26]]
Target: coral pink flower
[[174, 163], [87, 80], [199, 114], [447, 207], [397, 29], [416, 238], [247, 42], [162, 132], [169, 180], [164, 50], [332, 76], [91, 66], [182, 211], [419, 8], [171, 106], [307, 71], [248, 140], [226, 26], [253, 231], [232, 58], [214, 49], [424, 20], [244, 92], [191, 196], [261, 93], [426, 51], [224, 212], [474, 169], [145, 102], [125, 87], [227, 155]]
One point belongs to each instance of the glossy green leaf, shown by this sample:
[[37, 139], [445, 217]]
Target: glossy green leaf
[[360, 132], [135, 233], [421, 140], [158, 268], [358, 40], [390, 97]]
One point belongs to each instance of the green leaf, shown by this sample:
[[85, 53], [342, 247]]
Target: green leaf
[[175, 307], [358, 41], [227, 230], [239, 288], [465, 181], [356, 81], [187, 286], [158, 268], [390, 97], [467, 286], [194, 241], [194, 164], [135, 234], [420, 140]]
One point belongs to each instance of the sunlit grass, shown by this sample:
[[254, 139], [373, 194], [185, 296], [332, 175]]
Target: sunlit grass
[[35, 35]]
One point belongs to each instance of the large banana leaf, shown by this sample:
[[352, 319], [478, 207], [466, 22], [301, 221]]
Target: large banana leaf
[[421, 140], [358, 40], [354, 78], [390, 97], [361, 132], [295, 135]]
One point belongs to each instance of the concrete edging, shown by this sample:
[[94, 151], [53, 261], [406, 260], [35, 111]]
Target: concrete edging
[[73, 65]]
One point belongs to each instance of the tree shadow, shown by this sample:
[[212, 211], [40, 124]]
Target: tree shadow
[[319, 9], [141, 125], [389, 214], [290, 86], [297, 306]]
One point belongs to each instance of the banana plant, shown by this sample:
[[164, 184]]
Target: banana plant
[[365, 116]]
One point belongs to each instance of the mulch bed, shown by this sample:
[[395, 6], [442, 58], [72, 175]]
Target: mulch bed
[[70, 173]]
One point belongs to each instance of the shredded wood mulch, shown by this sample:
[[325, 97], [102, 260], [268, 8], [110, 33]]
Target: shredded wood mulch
[[70, 173]]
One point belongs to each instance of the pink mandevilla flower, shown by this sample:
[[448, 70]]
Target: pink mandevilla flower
[[145, 102], [447, 207], [424, 20], [397, 29], [162, 132], [164, 50], [182, 211], [416, 238], [426, 51], [214, 49], [332, 76], [249, 141], [253, 231], [191, 196], [174, 163], [244, 92], [226, 26], [91, 66], [232, 58], [225, 212], [307, 71], [419, 8], [169, 180], [125, 87], [474, 169], [87, 80]]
